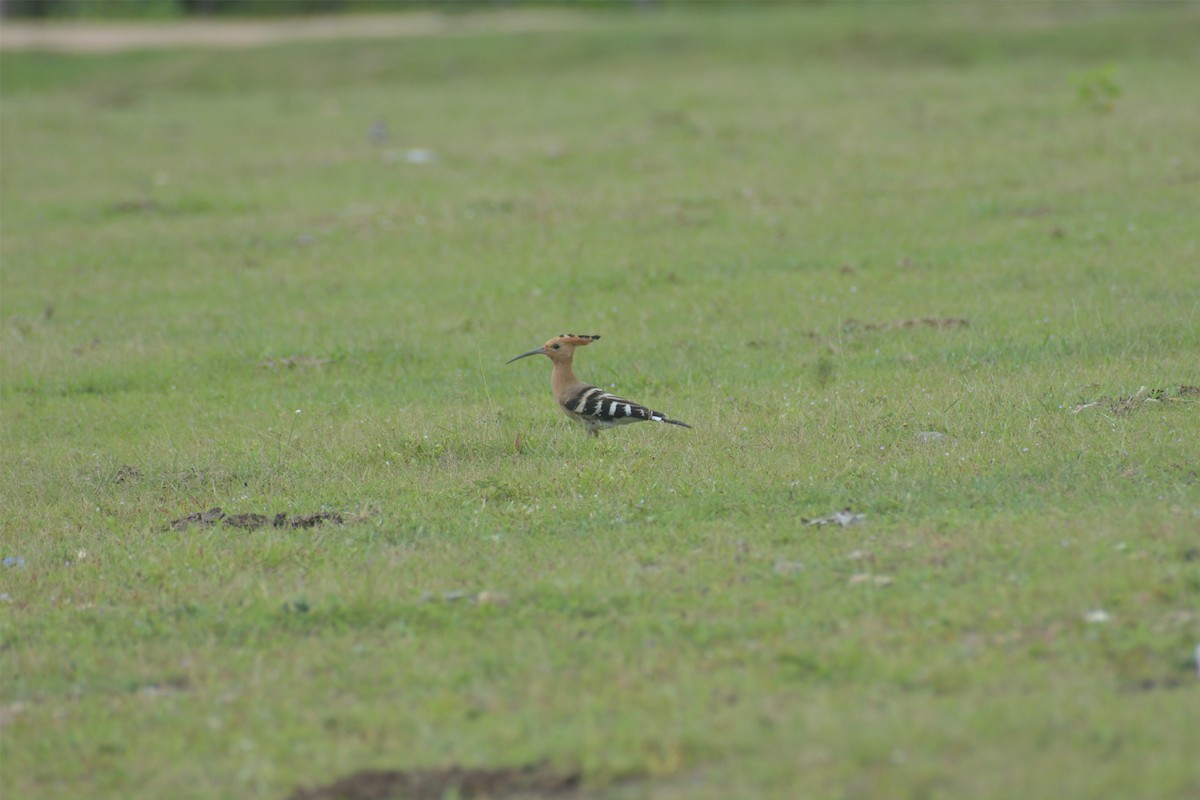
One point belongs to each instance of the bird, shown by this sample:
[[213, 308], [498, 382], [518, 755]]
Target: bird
[[590, 405]]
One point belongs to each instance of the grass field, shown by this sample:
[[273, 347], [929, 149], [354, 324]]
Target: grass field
[[286, 280]]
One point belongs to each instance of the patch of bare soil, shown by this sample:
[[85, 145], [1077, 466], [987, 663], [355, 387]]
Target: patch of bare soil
[[252, 522], [127, 472], [941, 323], [9, 712], [530, 781], [112, 37], [1143, 396]]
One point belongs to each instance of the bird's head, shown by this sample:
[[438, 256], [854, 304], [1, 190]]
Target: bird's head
[[560, 348]]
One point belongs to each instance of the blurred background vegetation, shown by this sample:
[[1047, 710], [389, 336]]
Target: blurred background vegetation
[[167, 9]]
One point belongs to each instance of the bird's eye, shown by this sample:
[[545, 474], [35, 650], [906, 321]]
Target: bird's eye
[[555, 347]]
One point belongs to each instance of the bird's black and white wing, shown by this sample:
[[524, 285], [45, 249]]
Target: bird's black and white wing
[[594, 406]]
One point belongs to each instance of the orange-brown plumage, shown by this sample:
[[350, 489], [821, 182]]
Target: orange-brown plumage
[[588, 404]]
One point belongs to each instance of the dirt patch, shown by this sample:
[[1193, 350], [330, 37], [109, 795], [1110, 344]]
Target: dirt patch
[[126, 473], [530, 781], [113, 37], [1142, 397], [941, 323], [10, 712], [250, 522]]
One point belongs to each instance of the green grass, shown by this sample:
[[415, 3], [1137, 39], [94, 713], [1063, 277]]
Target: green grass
[[731, 199]]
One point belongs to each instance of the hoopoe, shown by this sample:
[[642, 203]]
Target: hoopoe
[[588, 404]]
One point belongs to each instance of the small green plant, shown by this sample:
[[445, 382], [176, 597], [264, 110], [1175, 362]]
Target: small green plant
[[1097, 89]]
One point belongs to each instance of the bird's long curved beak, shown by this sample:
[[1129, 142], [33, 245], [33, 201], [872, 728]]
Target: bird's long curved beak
[[541, 351]]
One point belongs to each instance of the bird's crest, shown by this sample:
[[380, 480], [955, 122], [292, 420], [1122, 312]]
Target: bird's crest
[[577, 339]]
